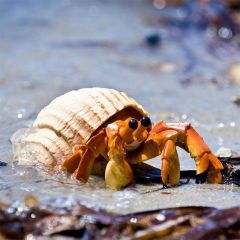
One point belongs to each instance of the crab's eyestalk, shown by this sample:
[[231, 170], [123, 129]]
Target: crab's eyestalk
[[141, 132], [126, 129]]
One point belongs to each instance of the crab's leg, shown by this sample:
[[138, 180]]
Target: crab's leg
[[170, 164], [204, 158], [160, 141], [207, 165], [149, 149], [184, 136], [95, 146], [166, 139], [154, 144], [70, 164]]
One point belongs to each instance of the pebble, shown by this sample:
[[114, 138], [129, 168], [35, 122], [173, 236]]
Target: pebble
[[30, 200], [237, 101], [225, 33], [224, 152], [3, 164], [234, 73], [153, 40]]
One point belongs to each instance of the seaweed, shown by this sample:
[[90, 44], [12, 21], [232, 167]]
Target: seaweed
[[85, 223], [147, 174]]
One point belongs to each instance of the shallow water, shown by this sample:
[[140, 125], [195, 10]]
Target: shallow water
[[50, 48]]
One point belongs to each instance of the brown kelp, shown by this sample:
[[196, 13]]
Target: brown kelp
[[85, 223]]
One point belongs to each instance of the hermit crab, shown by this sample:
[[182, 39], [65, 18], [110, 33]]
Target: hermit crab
[[91, 127]]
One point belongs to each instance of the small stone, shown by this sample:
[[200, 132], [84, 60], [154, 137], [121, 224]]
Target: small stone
[[237, 101], [225, 33], [30, 200], [3, 164], [234, 73], [153, 40], [224, 152]]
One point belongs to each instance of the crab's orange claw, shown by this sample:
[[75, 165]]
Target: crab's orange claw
[[118, 172], [170, 164]]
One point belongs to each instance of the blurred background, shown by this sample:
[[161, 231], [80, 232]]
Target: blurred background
[[180, 59]]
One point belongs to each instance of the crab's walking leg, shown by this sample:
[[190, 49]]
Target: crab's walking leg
[[170, 164], [204, 158], [70, 164], [82, 160], [161, 141], [166, 142], [207, 165], [95, 147], [164, 138]]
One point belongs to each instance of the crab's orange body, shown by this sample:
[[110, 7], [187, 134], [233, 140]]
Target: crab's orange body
[[123, 137]]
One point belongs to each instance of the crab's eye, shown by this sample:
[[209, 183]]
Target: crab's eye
[[145, 121], [133, 124]]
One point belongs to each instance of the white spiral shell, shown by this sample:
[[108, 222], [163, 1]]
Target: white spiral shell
[[68, 121]]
